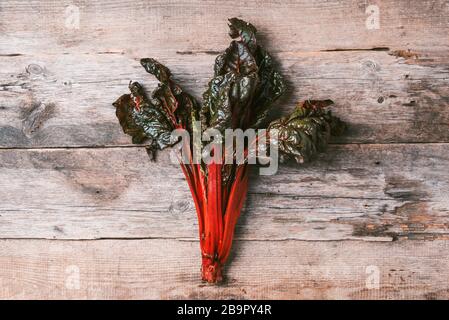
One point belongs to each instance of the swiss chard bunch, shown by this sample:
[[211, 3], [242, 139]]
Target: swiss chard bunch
[[239, 96]]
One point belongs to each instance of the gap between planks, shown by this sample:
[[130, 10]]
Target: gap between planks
[[124, 146], [181, 239], [207, 52]]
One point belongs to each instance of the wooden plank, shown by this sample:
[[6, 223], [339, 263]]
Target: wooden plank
[[48, 102], [140, 27], [169, 269], [370, 192]]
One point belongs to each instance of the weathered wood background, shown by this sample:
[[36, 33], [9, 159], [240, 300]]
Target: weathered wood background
[[84, 214]]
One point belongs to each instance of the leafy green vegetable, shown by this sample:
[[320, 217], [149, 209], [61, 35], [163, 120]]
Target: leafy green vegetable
[[155, 118], [306, 131], [240, 95], [245, 83]]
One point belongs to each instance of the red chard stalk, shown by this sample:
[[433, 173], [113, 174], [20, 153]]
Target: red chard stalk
[[239, 96]]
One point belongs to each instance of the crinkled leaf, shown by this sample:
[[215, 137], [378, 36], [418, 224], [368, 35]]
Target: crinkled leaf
[[245, 30], [124, 112], [161, 72], [142, 119], [155, 117], [219, 114], [178, 105], [306, 130], [245, 83], [271, 87]]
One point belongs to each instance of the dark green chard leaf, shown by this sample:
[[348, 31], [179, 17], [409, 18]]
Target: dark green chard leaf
[[154, 118], [180, 107], [141, 119], [271, 87], [125, 110], [216, 111], [245, 83], [307, 130], [161, 72]]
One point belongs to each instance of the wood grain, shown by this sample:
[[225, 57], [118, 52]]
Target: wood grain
[[67, 101], [141, 27], [371, 192], [75, 195], [161, 269]]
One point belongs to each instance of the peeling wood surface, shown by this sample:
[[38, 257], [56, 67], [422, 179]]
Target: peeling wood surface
[[69, 177]]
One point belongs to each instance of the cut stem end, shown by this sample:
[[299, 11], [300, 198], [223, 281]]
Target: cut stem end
[[211, 271]]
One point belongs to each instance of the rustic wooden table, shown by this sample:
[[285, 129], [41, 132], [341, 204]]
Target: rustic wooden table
[[84, 214]]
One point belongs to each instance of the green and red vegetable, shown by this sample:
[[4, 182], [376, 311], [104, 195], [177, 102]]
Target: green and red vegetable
[[245, 85]]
